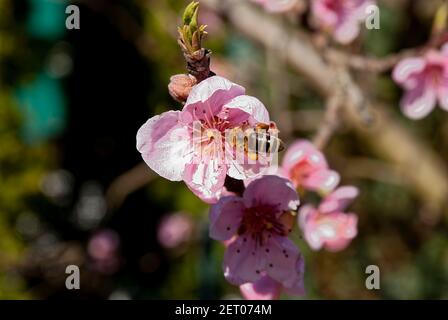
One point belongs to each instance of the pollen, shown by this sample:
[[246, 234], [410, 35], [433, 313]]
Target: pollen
[[210, 134]]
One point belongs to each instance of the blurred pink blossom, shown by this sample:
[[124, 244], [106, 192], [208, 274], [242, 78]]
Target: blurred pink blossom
[[103, 249], [174, 230], [190, 145], [223, 67], [342, 18], [328, 226], [213, 21], [425, 81], [306, 167], [258, 224], [280, 5]]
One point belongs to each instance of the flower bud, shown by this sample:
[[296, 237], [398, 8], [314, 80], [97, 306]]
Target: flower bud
[[180, 86]]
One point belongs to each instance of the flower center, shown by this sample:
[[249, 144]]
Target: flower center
[[300, 172], [261, 222], [436, 74]]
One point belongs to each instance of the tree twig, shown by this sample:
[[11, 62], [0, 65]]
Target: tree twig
[[330, 121], [127, 183]]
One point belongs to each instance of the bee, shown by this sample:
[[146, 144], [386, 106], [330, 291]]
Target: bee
[[259, 141], [267, 138]]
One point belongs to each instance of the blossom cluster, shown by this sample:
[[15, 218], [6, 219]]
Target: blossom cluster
[[194, 145], [339, 18], [423, 77], [221, 134]]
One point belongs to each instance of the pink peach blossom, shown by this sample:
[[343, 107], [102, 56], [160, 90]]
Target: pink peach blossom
[[191, 144], [103, 250], [425, 81], [328, 226], [341, 18], [174, 230], [258, 224], [279, 5], [306, 167]]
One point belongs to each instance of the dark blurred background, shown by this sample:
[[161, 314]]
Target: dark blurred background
[[74, 190]]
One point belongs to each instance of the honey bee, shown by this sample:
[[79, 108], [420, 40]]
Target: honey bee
[[267, 138], [259, 141]]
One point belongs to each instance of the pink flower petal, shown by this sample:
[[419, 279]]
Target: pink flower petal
[[303, 150], [435, 58], [241, 167], [225, 217], [245, 107], [444, 49], [298, 287], [306, 212], [308, 217], [339, 199], [407, 67], [340, 17], [243, 262], [281, 260], [346, 228], [334, 231], [284, 198], [270, 171], [419, 102], [325, 16], [347, 31], [323, 181], [210, 95], [312, 234], [206, 180], [263, 289], [245, 171], [165, 145]]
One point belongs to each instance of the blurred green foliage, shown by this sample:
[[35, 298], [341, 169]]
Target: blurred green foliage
[[21, 169]]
